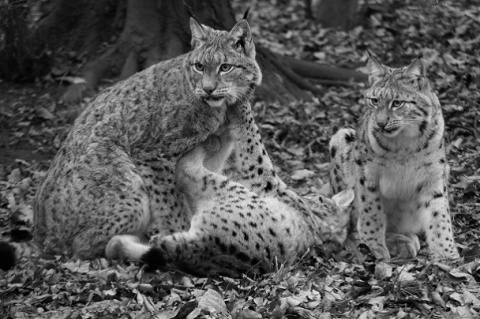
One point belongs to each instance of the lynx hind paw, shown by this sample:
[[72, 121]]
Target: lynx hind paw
[[404, 246], [125, 247]]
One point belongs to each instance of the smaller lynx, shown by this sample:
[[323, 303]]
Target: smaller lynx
[[396, 163]]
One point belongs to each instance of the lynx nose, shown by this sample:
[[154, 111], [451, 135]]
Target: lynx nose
[[382, 120], [208, 89], [382, 124], [208, 85]]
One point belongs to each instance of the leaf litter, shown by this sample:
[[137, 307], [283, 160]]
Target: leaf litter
[[296, 135]]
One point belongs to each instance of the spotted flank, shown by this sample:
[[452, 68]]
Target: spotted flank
[[396, 163]]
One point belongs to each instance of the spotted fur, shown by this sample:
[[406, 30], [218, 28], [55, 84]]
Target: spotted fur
[[396, 163], [246, 225], [114, 173]]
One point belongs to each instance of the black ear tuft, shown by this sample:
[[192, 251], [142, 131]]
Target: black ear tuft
[[245, 15]]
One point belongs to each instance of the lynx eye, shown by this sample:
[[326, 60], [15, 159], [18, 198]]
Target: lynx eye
[[373, 101], [198, 67], [396, 104], [225, 68]]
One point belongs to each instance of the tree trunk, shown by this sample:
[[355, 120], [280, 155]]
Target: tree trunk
[[334, 13], [140, 33]]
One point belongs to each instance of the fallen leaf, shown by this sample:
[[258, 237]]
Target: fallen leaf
[[383, 270], [302, 174], [15, 176]]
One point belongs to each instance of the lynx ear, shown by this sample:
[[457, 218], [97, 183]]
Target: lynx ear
[[242, 36], [416, 69], [344, 198], [376, 71], [199, 33]]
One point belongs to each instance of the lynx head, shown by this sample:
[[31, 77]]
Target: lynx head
[[222, 66], [401, 99], [335, 216]]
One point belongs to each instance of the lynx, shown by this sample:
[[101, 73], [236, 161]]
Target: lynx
[[243, 225], [396, 163], [114, 173]]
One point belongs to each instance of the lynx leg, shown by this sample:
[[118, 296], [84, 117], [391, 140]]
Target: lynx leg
[[439, 232], [349, 170], [200, 253], [168, 214], [256, 171], [372, 220], [199, 250], [341, 170], [81, 229]]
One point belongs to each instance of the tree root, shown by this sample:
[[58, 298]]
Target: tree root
[[130, 66], [314, 70], [278, 82], [294, 75], [295, 78]]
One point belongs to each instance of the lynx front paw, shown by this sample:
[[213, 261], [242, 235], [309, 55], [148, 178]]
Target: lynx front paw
[[403, 245]]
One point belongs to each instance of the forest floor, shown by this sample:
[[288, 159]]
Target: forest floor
[[33, 125]]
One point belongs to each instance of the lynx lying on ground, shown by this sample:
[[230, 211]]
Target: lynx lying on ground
[[244, 225], [115, 172], [396, 163]]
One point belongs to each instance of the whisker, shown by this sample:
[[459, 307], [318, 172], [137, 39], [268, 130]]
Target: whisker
[[412, 121]]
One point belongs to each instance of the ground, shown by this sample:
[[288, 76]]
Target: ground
[[33, 124]]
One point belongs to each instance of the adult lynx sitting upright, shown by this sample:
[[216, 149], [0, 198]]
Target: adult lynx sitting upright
[[396, 163], [115, 172]]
